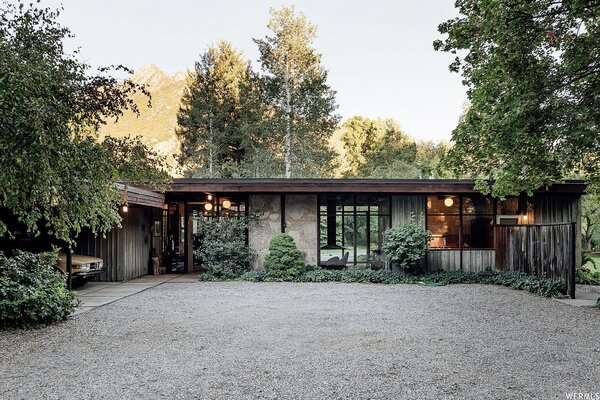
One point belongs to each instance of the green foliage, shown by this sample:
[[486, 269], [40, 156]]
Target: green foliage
[[218, 110], [406, 245], [531, 68], [515, 280], [379, 149], [54, 174], [586, 276], [300, 104], [223, 251], [590, 221], [32, 292], [284, 260]]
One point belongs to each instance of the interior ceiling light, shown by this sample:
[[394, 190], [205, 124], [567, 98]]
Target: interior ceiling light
[[448, 202], [226, 204]]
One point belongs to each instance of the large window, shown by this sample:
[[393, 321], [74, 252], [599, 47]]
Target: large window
[[352, 227], [466, 221]]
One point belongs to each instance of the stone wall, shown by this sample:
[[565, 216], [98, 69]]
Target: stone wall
[[301, 224], [268, 209]]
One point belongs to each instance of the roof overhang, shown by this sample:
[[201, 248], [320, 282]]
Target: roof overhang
[[407, 186], [142, 197]]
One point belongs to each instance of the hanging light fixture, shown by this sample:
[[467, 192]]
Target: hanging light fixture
[[209, 197], [124, 199], [226, 204], [208, 206], [449, 202]]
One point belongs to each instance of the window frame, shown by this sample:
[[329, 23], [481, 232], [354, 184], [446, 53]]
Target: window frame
[[343, 204], [461, 216]]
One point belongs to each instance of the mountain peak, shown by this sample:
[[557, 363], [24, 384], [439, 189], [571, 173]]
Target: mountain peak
[[151, 75]]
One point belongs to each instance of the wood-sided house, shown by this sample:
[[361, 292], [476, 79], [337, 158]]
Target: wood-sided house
[[346, 219]]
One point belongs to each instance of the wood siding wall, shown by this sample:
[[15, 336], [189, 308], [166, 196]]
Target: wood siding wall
[[557, 208], [538, 250], [472, 260], [125, 251], [404, 205]]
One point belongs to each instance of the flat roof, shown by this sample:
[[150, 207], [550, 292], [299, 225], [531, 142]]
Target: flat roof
[[284, 185]]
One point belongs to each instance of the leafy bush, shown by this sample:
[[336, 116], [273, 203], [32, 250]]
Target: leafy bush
[[516, 280], [223, 251], [406, 245], [284, 260], [32, 292], [586, 276]]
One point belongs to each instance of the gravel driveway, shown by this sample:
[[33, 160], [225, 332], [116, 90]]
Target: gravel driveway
[[310, 341]]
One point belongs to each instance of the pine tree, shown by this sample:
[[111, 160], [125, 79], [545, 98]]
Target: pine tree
[[301, 117], [213, 113]]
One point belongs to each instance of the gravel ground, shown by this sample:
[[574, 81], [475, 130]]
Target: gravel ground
[[310, 341]]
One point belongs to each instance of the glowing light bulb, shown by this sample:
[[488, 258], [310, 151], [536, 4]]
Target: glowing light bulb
[[208, 206], [226, 204], [448, 202]]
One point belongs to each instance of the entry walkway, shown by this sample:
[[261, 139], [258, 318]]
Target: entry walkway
[[95, 294], [585, 296]]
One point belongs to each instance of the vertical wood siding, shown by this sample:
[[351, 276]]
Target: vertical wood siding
[[404, 205], [125, 251], [538, 250], [557, 208], [447, 260]]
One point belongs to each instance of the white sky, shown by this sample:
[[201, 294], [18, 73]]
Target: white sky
[[379, 53]]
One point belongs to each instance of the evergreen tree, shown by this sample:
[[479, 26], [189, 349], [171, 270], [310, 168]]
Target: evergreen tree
[[214, 113], [301, 116]]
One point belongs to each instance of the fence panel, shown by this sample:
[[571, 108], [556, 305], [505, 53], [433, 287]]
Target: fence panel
[[539, 250]]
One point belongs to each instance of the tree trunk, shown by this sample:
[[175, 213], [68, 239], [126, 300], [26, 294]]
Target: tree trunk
[[210, 149], [288, 129]]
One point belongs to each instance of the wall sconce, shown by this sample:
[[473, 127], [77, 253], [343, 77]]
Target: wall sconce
[[208, 206], [226, 204], [449, 202], [125, 208]]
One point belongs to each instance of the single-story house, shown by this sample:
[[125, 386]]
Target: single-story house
[[345, 220]]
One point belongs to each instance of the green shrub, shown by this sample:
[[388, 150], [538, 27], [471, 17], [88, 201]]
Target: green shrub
[[406, 245], [586, 276], [284, 260], [32, 292], [223, 251]]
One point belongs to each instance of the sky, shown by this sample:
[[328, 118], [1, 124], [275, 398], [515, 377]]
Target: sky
[[378, 53]]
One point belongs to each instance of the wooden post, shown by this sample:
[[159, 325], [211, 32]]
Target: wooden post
[[69, 268], [573, 258]]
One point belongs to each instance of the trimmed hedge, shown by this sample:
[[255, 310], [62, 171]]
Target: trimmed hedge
[[32, 292], [284, 260], [516, 280]]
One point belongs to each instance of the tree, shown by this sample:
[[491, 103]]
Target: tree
[[379, 149], [590, 221], [55, 176], [532, 69], [302, 104], [213, 120]]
